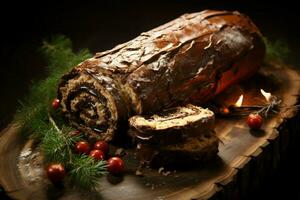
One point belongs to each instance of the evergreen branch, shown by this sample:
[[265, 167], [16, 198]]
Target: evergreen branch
[[58, 143], [86, 171], [33, 108], [60, 55], [38, 119], [54, 147]]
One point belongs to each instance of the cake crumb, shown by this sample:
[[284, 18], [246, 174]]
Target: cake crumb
[[152, 187], [120, 152], [167, 173], [139, 173], [160, 170]]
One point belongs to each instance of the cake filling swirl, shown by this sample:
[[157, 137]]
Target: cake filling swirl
[[89, 104]]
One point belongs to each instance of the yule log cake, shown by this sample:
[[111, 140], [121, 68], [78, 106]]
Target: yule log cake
[[188, 60]]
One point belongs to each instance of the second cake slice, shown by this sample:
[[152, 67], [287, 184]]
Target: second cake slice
[[178, 133]]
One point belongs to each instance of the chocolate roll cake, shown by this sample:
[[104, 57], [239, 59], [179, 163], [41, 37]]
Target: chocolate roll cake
[[177, 134], [188, 60]]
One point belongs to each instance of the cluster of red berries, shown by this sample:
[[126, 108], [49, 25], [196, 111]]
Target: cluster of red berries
[[115, 165]]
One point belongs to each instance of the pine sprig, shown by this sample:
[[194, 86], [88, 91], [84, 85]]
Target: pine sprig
[[57, 146], [34, 107], [60, 55], [37, 119], [86, 171]]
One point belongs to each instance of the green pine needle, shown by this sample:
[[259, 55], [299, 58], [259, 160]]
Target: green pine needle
[[277, 50], [34, 107], [39, 120], [57, 146], [60, 55], [86, 171]]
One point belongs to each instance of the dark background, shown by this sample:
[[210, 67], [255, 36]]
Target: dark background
[[100, 25]]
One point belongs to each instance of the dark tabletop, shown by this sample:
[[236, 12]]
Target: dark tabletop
[[100, 25]]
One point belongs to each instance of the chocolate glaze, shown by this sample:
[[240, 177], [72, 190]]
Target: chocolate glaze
[[190, 59]]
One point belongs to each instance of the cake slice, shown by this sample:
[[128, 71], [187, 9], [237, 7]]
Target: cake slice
[[193, 150], [171, 125], [176, 134]]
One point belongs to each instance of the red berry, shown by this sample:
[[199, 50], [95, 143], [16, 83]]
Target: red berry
[[97, 154], [82, 147], [56, 173], [55, 104], [254, 121], [102, 145], [115, 165], [224, 111]]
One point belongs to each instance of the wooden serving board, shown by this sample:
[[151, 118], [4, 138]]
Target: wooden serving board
[[244, 161]]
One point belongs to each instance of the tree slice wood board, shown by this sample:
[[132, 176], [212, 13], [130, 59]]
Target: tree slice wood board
[[244, 160]]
